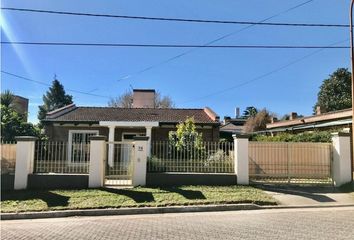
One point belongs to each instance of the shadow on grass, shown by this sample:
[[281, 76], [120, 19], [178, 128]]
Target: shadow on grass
[[137, 196], [188, 194], [52, 199]]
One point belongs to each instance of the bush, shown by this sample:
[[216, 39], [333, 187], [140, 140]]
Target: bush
[[317, 136]]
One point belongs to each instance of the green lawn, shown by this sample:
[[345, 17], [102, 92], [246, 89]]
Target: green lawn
[[20, 201]]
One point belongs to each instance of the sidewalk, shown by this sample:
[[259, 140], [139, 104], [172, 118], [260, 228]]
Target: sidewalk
[[308, 196]]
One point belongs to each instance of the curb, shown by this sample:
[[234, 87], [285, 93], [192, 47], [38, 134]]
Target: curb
[[156, 210], [129, 211]]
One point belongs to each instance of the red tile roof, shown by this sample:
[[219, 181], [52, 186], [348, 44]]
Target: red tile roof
[[96, 114]]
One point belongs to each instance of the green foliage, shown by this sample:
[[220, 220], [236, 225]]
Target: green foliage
[[7, 98], [335, 92], [186, 135], [13, 124], [186, 140], [250, 112], [317, 136], [54, 98]]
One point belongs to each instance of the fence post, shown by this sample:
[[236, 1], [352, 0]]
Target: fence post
[[140, 160], [341, 167], [24, 160], [241, 158], [97, 161]]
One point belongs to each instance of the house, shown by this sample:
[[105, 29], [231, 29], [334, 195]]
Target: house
[[20, 105], [75, 124], [320, 121], [232, 125]]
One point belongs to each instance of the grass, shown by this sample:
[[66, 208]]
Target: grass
[[22, 201]]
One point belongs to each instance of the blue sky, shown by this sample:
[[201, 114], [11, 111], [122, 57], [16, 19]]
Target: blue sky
[[187, 80]]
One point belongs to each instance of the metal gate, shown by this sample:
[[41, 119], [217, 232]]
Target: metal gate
[[290, 163], [119, 164]]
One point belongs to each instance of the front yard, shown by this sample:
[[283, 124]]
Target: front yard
[[21, 201]]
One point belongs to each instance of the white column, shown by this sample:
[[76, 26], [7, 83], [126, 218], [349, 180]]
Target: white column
[[148, 134], [341, 166], [140, 161], [241, 158], [97, 161], [111, 146], [24, 161]]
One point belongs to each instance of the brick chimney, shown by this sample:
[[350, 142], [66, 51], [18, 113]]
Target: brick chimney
[[293, 115], [144, 98]]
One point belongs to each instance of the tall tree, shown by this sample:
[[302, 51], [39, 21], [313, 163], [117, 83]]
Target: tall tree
[[126, 101], [54, 98], [335, 92], [250, 112]]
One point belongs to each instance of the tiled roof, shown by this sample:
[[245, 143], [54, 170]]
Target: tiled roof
[[96, 114]]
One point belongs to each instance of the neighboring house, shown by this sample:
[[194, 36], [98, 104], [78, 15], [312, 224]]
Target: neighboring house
[[320, 121], [232, 125], [20, 105]]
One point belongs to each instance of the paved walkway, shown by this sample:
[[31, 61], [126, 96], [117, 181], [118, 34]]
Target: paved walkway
[[318, 223], [320, 196]]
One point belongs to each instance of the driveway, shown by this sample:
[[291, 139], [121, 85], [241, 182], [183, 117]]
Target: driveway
[[315, 196], [315, 223]]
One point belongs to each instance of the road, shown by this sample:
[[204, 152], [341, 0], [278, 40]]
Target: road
[[314, 223]]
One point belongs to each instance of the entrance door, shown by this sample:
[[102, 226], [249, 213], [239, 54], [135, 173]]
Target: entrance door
[[128, 138]]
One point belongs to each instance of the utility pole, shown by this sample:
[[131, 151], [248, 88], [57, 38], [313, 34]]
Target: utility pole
[[352, 65]]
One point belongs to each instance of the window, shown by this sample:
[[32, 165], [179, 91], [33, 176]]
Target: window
[[79, 145]]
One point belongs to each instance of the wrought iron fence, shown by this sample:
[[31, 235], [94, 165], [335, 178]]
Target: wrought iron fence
[[206, 157], [8, 157], [61, 157], [298, 163], [119, 164]]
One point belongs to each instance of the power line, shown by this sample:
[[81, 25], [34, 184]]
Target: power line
[[177, 19], [211, 42], [169, 45], [49, 85], [263, 75]]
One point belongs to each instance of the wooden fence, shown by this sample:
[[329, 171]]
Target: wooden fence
[[8, 157]]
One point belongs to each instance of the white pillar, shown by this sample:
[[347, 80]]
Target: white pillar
[[241, 158], [341, 166], [24, 161], [111, 146], [148, 134], [140, 161], [97, 161]]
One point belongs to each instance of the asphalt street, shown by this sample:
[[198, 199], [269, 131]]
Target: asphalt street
[[304, 223]]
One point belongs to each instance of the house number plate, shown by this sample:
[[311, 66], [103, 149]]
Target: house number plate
[[140, 149]]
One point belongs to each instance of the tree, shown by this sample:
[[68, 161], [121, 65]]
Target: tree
[[12, 123], [54, 98], [126, 101], [7, 98], [335, 92], [250, 112], [186, 139], [258, 122]]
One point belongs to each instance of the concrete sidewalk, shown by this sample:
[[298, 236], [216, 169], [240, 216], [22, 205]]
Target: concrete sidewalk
[[307, 196]]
